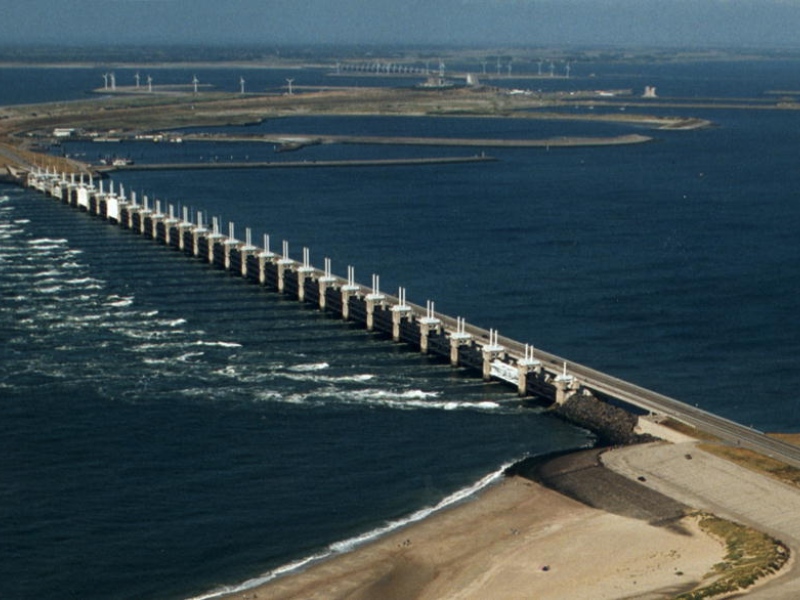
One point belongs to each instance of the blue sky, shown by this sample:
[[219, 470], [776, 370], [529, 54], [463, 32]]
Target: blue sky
[[734, 23]]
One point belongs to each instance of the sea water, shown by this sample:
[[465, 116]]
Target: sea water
[[168, 429]]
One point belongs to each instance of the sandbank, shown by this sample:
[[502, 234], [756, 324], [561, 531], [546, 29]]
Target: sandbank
[[518, 539]]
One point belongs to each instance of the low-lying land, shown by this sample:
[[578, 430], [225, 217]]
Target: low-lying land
[[128, 114]]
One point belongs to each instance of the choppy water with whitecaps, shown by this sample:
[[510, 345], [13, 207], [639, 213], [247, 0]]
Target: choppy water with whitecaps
[[167, 429]]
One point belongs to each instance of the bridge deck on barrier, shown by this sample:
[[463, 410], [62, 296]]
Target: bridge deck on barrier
[[495, 357]]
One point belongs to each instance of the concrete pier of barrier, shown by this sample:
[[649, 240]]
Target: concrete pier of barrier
[[430, 332]]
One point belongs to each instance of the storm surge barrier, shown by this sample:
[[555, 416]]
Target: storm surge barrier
[[532, 372]]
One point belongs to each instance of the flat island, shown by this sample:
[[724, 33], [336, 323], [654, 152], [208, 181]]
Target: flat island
[[127, 113]]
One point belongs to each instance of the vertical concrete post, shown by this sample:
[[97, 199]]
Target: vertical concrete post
[[197, 233], [427, 324], [562, 384], [398, 312], [263, 258], [303, 273], [373, 299], [561, 391], [490, 352], [458, 338], [324, 282], [284, 264], [525, 367], [348, 290], [522, 381]]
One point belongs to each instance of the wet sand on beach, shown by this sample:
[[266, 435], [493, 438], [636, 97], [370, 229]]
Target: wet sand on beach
[[517, 540]]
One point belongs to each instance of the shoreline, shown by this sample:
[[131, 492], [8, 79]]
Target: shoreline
[[530, 530], [512, 534]]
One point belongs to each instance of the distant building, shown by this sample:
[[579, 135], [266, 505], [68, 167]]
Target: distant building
[[63, 132], [649, 91]]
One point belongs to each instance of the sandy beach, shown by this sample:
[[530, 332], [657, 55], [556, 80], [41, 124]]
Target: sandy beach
[[520, 539]]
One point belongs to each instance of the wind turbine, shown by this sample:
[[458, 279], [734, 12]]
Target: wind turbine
[[567, 69], [552, 69], [149, 83], [105, 81], [290, 81], [136, 77], [195, 81], [241, 85], [113, 81], [540, 66]]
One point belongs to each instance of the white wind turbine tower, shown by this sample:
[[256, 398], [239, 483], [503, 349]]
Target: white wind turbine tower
[[540, 66], [149, 83], [105, 81], [113, 81], [195, 81], [567, 69], [241, 85], [290, 81], [136, 77]]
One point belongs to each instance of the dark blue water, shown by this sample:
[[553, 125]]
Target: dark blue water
[[167, 428]]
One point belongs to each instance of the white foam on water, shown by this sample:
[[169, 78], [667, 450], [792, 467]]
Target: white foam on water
[[83, 281], [119, 301], [189, 356], [48, 242], [171, 322], [382, 398], [50, 290], [218, 344], [305, 368]]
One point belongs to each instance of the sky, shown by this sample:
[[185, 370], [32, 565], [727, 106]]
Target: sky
[[486, 23]]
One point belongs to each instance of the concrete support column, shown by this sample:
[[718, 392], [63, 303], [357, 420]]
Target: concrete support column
[[561, 391], [263, 259], [303, 273], [522, 381], [427, 324], [457, 339], [247, 250], [324, 284], [490, 352], [525, 367], [398, 312], [564, 385], [348, 290], [284, 264], [373, 299]]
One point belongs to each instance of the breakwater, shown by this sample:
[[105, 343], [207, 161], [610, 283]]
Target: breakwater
[[465, 345], [533, 372], [298, 164]]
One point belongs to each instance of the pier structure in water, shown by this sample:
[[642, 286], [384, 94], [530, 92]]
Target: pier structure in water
[[533, 373], [463, 345]]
